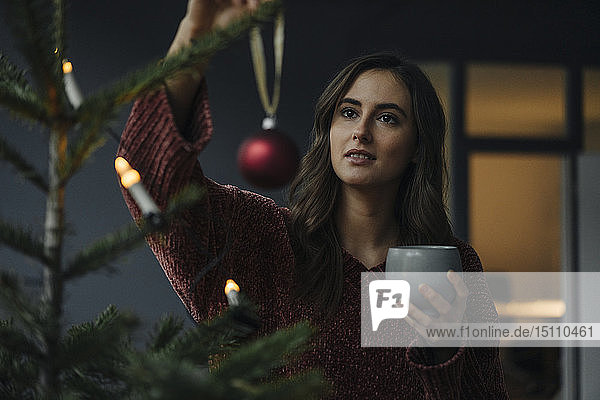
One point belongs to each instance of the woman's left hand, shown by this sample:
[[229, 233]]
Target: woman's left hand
[[448, 312]]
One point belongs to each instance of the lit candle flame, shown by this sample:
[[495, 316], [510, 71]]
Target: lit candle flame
[[121, 165], [130, 178], [67, 67], [231, 285]]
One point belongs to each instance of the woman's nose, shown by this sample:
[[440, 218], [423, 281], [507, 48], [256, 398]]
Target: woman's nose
[[362, 132]]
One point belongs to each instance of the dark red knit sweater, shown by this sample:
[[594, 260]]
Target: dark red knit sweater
[[260, 259]]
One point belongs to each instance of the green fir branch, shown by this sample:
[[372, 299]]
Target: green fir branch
[[16, 377], [19, 305], [94, 355], [17, 95], [100, 253], [259, 358], [33, 25], [59, 27], [22, 102], [177, 368], [10, 73], [218, 336], [78, 385], [96, 360], [22, 241], [165, 332], [245, 374], [175, 364], [98, 346], [25, 169], [14, 341], [164, 378], [103, 105], [98, 109], [81, 150]]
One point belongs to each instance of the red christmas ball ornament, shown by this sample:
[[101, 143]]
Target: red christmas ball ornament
[[268, 159]]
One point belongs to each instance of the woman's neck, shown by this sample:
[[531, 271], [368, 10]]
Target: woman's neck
[[366, 223]]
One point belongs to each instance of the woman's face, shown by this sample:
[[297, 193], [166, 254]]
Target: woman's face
[[373, 136]]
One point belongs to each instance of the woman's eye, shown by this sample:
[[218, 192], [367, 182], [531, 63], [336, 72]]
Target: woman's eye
[[349, 113], [388, 119]]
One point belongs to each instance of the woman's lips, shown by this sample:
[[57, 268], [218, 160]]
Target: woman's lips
[[359, 157], [357, 153]]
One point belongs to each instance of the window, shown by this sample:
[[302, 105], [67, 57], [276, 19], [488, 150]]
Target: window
[[515, 211], [515, 101], [591, 110]]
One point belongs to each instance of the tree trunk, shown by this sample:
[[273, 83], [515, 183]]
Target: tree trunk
[[52, 290]]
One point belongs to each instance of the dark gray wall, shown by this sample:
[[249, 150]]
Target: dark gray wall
[[110, 38], [589, 257]]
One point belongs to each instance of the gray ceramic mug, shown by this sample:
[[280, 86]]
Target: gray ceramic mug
[[419, 261]]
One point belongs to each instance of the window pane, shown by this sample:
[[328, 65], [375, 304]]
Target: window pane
[[515, 101], [591, 109], [515, 211]]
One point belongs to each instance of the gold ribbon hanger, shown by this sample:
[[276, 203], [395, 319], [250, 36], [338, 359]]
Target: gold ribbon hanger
[[260, 70]]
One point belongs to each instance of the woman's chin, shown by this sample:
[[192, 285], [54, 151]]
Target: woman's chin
[[368, 183], [359, 182]]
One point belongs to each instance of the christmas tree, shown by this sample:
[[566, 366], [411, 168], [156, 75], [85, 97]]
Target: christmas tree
[[40, 358]]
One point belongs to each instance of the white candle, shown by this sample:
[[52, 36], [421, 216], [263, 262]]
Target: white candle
[[131, 180], [232, 292], [73, 92]]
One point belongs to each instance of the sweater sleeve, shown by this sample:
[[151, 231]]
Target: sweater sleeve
[[227, 235], [473, 372]]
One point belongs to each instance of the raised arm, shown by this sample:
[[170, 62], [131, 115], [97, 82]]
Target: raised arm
[[201, 17], [230, 233]]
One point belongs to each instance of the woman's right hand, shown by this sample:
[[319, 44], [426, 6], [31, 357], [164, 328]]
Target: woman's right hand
[[202, 16]]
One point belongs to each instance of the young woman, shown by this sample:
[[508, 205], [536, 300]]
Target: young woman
[[373, 178]]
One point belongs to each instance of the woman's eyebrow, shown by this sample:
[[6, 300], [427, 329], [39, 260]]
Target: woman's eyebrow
[[380, 106], [392, 106], [351, 101]]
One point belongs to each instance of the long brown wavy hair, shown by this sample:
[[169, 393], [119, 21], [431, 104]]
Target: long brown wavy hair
[[420, 207]]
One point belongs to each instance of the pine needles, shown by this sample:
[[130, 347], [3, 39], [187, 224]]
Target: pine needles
[[17, 95], [39, 357]]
